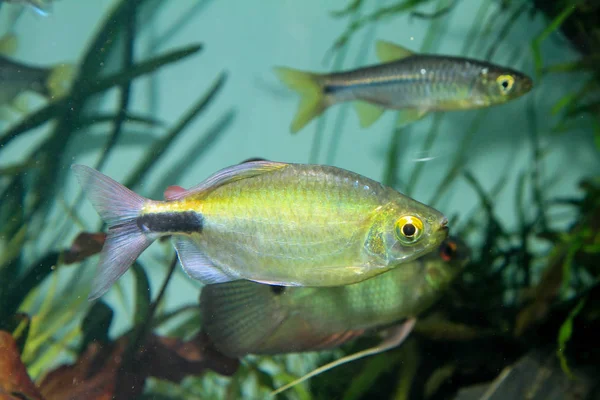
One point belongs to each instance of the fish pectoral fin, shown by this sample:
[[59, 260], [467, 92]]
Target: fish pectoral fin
[[8, 44], [409, 115], [388, 52], [367, 113], [196, 264], [239, 316], [394, 338], [228, 175]]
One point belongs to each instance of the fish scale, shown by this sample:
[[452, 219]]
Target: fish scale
[[247, 318], [287, 224]]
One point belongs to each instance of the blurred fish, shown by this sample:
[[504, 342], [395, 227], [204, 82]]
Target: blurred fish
[[41, 7], [270, 222], [17, 78], [245, 317], [413, 83]]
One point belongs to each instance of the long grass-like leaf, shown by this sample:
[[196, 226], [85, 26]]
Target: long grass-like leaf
[[159, 148]]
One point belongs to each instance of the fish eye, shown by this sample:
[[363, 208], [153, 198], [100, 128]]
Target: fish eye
[[505, 83], [448, 250], [409, 229]]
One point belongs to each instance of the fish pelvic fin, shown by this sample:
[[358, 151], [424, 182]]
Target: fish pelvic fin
[[409, 115], [367, 113], [312, 98], [388, 52], [8, 44], [59, 80], [394, 338], [238, 316], [119, 207]]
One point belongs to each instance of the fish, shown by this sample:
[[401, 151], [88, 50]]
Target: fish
[[41, 7], [17, 77], [245, 317], [269, 222], [414, 84]]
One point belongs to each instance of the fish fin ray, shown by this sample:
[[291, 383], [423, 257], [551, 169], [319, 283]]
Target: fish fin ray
[[122, 247], [395, 338], [312, 101], [388, 51], [196, 264], [368, 113], [409, 115], [239, 315], [119, 207], [228, 175]]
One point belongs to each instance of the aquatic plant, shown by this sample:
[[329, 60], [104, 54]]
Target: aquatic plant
[[31, 191], [528, 301]]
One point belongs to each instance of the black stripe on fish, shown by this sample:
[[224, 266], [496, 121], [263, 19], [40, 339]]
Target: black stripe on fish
[[184, 222]]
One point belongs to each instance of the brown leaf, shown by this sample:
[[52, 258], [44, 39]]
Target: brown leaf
[[14, 380], [85, 245], [99, 374]]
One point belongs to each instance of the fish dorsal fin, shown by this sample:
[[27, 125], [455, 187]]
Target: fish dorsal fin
[[238, 316], [367, 113], [228, 175], [388, 52], [8, 44], [396, 336]]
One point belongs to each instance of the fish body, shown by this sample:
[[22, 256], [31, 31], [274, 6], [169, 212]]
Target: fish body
[[412, 83], [285, 224], [17, 77], [244, 317]]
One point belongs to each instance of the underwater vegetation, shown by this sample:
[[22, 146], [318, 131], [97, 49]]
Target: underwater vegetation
[[518, 320]]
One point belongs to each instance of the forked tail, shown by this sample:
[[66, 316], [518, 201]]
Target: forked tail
[[312, 98], [119, 207]]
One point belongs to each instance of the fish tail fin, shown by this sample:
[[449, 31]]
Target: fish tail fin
[[312, 101], [119, 207], [238, 316], [58, 81]]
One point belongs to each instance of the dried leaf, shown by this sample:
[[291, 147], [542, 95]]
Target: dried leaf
[[98, 373], [85, 245], [14, 380]]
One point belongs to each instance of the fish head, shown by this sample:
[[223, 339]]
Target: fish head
[[497, 85], [404, 231], [443, 265]]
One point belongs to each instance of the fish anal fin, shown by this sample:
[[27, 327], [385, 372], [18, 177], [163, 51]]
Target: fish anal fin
[[196, 264], [394, 338], [388, 52], [368, 113], [238, 316], [409, 115], [228, 175]]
